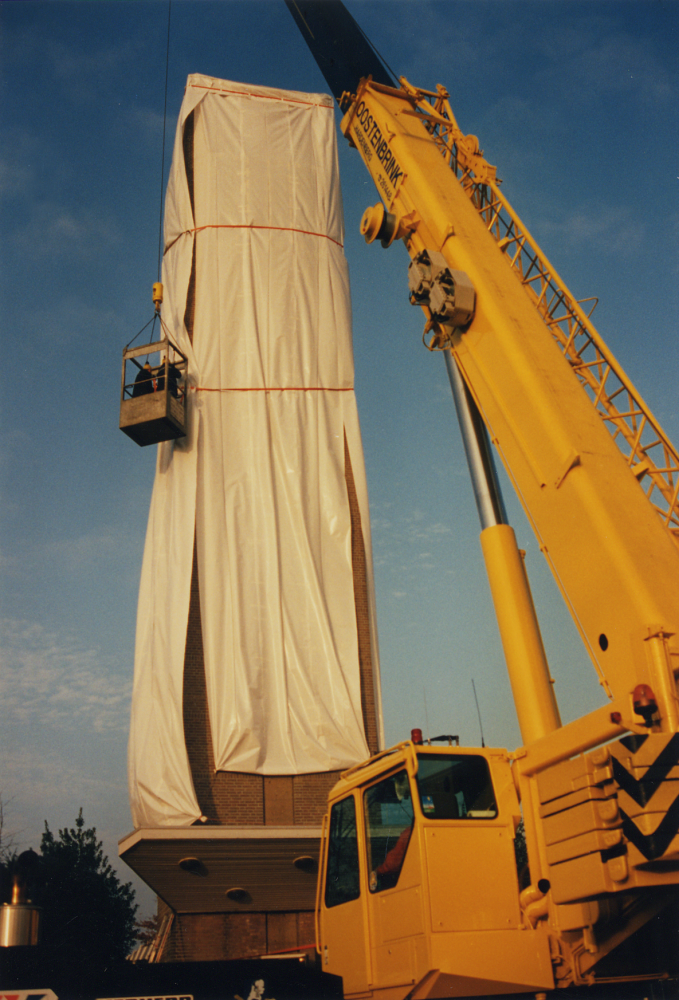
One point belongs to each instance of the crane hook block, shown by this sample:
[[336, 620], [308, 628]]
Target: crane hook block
[[157, 294], [449, 294]]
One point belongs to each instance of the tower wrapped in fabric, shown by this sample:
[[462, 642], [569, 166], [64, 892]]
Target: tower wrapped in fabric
[[256, 654]]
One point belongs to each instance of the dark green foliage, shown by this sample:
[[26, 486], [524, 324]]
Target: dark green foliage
[[88, 914], [13, 864], [8, 851], [146, 930]]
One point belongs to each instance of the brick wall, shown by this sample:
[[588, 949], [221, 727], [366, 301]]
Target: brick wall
[[210, 937], [232, 798], [228, 797], [362, 609], [310, 796]]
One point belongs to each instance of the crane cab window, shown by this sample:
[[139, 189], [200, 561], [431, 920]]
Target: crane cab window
[[389, 823], [455, 787], [342, 877]]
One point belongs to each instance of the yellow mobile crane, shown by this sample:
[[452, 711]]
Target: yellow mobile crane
[[419, 893]]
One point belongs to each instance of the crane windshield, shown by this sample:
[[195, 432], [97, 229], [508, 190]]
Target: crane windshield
[[455, 787]]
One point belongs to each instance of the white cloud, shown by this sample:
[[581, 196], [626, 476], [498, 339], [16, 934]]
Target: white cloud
[[53, 680], [603, 63], [70, 63], [71, 558], [608, 228], [49, 779], [84, 550], [15, 177], [77, 69], [591, 51], [54, 229], [69, 318], [411, 547], [24, 155], [144, 125]]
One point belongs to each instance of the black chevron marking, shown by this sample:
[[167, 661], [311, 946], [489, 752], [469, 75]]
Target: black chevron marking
[[634, 741], [653, 845], [642, 790]]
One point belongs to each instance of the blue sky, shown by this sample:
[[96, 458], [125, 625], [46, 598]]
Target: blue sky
[[576, 103]]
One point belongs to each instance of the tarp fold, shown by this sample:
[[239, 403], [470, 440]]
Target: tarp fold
[[259, 482]]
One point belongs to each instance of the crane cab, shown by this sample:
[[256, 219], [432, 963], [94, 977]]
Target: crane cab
[[153, 393], [419, 885]]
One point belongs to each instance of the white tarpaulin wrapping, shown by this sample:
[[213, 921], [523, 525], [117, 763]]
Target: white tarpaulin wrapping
[[260, 476]]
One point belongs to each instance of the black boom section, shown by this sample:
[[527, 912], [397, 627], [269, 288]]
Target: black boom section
[[343, 53]]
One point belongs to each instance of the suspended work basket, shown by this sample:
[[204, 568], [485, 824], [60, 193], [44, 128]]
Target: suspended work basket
[[153, 393]]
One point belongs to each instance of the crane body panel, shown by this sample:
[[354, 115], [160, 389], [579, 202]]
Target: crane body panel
[[421, 891], [423, 906]]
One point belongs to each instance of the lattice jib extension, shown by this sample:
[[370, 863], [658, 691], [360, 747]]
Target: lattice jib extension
[[648, 452]]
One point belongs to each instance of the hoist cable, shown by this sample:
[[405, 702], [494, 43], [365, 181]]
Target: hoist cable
[[162, 165], [152, 320], [375, 49]]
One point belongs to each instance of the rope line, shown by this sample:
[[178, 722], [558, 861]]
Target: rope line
[[162, 162], [264, 97], [274, 388], [279, 229], [152, 320]]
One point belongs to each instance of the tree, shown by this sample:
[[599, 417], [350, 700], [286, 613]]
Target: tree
[[8, 849], [8, 856], [88, 914], [147, 930]]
